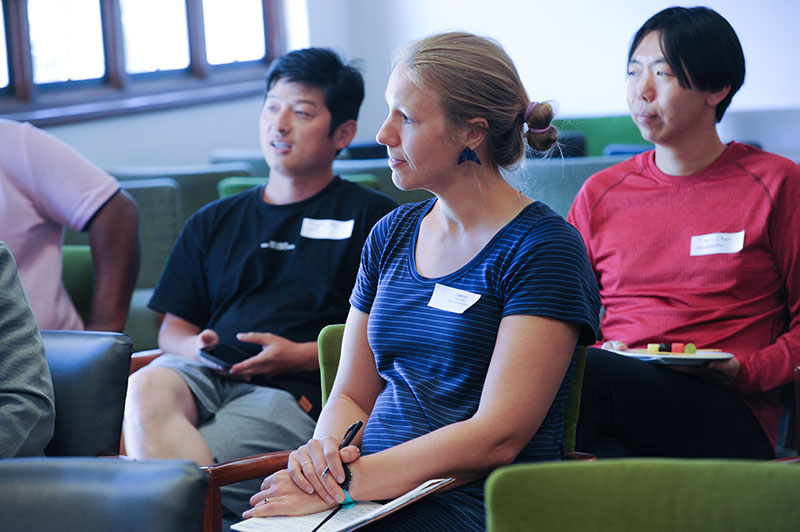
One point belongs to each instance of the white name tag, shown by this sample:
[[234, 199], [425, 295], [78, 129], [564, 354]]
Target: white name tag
[[327, 229], [715, 243], [452, 299]]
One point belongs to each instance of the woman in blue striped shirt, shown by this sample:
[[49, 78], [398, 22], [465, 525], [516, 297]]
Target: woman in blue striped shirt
[[467, 309]]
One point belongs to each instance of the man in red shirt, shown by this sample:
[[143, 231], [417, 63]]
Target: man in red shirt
[[695, 241]]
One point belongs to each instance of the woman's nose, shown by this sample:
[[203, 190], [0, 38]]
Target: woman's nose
[[385, 134]]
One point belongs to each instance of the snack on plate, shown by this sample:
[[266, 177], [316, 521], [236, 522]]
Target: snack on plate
[[677, 348]]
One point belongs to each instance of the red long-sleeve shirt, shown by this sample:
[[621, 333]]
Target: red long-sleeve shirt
[[711, 258]]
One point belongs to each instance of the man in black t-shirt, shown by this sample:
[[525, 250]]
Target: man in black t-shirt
[[262, 271]]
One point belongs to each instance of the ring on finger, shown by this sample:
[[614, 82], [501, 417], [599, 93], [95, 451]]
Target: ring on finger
[[266, 500]]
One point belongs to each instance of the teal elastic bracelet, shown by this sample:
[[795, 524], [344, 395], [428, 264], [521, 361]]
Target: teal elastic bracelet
[[348, 502]]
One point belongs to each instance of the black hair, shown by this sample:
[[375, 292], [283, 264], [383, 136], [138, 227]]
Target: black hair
[[701, 47], [341, 83]]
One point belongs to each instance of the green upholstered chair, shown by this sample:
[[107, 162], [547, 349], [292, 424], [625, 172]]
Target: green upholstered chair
[[160, 222], [198, 183], [573, 406], [638, 494], [253, 157], [329, 345], [233, 185], [77, 274]]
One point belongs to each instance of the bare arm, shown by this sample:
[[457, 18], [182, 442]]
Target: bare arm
[[180, 337], [114, 239], [516, 396]]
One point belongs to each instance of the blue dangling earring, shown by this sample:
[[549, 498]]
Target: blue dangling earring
[[468, 155]]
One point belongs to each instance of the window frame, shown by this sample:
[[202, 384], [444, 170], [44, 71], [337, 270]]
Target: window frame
[[119, 93]]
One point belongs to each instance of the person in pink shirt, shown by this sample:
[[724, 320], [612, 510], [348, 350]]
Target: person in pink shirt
[[45, 186], [695, 241]]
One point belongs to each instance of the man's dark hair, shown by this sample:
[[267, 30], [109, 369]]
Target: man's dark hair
[[341, 83], [701, 47]]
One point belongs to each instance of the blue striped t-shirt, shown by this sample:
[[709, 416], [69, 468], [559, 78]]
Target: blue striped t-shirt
[[434, 361]]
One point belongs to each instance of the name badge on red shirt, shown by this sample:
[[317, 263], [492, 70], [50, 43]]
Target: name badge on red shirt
[[716, 243]]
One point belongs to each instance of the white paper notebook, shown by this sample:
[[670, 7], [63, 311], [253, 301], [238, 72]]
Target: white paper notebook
[[346, 519]]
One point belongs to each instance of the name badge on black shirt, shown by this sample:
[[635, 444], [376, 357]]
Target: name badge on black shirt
[[327, 229]]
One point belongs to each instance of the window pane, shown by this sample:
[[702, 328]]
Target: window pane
[[3, 51], [234, 30], [66, 40], [156, 36]]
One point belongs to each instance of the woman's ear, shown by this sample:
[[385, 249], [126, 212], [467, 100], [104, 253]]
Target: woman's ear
[[475, 132]]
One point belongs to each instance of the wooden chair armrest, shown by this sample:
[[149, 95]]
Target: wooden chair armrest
[[142, 358], [260, 465]]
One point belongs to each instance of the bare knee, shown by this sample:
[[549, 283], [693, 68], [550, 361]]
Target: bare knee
[[156, 393]]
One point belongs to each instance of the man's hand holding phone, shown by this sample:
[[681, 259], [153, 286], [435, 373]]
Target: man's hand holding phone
[[278, 355], [219, 357]]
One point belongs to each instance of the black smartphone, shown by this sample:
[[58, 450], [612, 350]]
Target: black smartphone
[[224, 355]]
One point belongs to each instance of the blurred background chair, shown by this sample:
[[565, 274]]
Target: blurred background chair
[[253, 157], [77, 274], [628, 150], [160, 222], [198, 183], [657, 495], [100, 495], [90, 379]]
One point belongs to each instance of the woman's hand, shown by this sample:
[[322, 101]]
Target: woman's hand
[[279, 495], [308, 463]]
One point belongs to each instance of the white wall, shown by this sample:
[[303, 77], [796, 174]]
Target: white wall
[[571, 51], [574, 51]]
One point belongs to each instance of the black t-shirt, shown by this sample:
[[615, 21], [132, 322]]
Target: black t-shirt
[[243, 265]]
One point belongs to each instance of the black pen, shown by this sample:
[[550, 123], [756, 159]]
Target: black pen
[[352, 430]]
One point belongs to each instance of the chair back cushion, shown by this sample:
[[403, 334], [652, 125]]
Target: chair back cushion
[[77, 274], [329, 344], [229, 186], [198, 182], [573, 405], [90, 379], [652, 494], [101, 495]]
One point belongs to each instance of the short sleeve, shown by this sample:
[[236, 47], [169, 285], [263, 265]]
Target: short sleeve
[[550, 275], [69, 188], [368, 271]]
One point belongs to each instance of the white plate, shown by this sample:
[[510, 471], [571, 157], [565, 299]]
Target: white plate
[[701, 357]]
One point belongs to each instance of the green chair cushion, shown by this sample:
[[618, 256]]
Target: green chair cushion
[[77, 274], [644, 494]]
